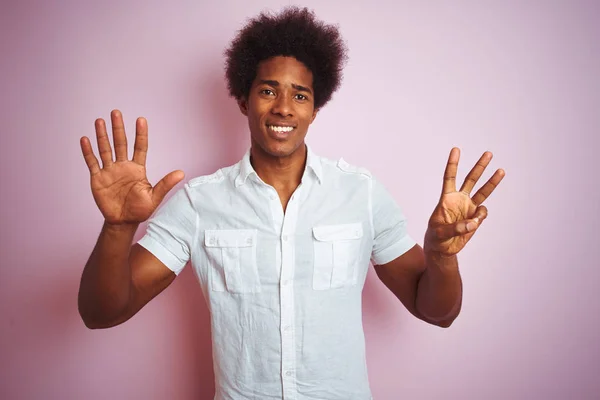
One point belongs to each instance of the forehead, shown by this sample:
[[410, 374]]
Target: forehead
[[285, 70]]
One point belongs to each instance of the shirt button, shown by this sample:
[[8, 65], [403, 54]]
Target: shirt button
[[286, 328], [289, 373], [285, 282], [272, 197], [285, 238]]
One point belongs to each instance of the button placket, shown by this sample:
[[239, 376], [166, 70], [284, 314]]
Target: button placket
[[276, 210], [288, 346]]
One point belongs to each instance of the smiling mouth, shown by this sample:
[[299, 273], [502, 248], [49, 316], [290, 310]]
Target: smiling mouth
[[280, 129]]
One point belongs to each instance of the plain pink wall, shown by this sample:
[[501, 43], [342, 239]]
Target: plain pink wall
[[518, 79]]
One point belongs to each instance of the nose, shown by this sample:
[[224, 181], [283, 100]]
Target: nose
[[282, 106]]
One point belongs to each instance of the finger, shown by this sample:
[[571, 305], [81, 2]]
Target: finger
[[103, 143], [165, 185], [140, 147], [459, 228], [449, 185], [481, 213], [88, 155], [476, 172], [486, 190], [119, 137]]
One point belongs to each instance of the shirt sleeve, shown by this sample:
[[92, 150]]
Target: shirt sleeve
[[390, 236], [170, 232]]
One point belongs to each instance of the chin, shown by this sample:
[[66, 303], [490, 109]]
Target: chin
[[280, 148]]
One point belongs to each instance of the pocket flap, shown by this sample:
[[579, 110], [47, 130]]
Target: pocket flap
[[330, 233], [230, 238]]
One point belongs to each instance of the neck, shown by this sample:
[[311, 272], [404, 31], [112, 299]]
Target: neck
[[283, 173]]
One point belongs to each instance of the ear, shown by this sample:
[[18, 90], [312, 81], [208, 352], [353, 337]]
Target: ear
[[243, 105]]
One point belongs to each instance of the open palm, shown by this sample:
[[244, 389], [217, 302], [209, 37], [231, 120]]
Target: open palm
[[120, 188], [458, 215]]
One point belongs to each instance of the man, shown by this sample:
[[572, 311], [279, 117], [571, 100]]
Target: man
[[281, 241]]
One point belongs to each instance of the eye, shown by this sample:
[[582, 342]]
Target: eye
[[301, 97], [268, 92]]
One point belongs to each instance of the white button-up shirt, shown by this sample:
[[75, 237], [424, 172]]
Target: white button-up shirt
[[283, 289]]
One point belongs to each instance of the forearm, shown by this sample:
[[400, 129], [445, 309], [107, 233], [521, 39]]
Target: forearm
[[439, 291], [105, 288]]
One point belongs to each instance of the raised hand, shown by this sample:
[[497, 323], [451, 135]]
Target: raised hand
[[120, 188], [457, 216]]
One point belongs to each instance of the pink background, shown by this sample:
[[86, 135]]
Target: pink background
[[518, 79]]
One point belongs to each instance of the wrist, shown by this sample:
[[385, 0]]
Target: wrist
[[121, 228], [437, 255], [439, 260]]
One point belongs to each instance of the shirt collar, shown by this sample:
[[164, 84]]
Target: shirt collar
[[313, 162]]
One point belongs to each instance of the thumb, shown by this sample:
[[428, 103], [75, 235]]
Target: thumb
[[165, 185], [466, 226], [445, 232]]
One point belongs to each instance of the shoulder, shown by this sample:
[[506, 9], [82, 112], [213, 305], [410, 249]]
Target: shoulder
[[342, 168], [218, 177], [353, 169], [215, 177]]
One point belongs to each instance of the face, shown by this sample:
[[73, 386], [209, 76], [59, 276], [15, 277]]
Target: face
[[280, 106]]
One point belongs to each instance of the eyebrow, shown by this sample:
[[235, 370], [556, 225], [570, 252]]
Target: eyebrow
[[295, 86]]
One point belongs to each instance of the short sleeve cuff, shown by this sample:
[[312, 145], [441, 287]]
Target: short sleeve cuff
[[162, 253], [393, 251]]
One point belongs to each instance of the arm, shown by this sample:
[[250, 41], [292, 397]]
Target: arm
[[428, 281], [118, 279], [428, 288]]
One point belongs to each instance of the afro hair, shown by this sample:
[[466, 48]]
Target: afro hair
[[294, 32]]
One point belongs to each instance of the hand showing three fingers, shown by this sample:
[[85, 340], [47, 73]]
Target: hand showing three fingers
[[120, 188], [457, 216]]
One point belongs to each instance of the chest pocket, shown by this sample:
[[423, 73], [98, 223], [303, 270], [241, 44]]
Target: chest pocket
[[232, 256], [337, 254]]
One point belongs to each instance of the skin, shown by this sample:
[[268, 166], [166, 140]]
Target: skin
[[427, 281], [281, 94], [119, 279]]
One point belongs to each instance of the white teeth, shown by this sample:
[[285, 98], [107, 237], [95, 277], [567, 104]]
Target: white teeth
[[281, 128]]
